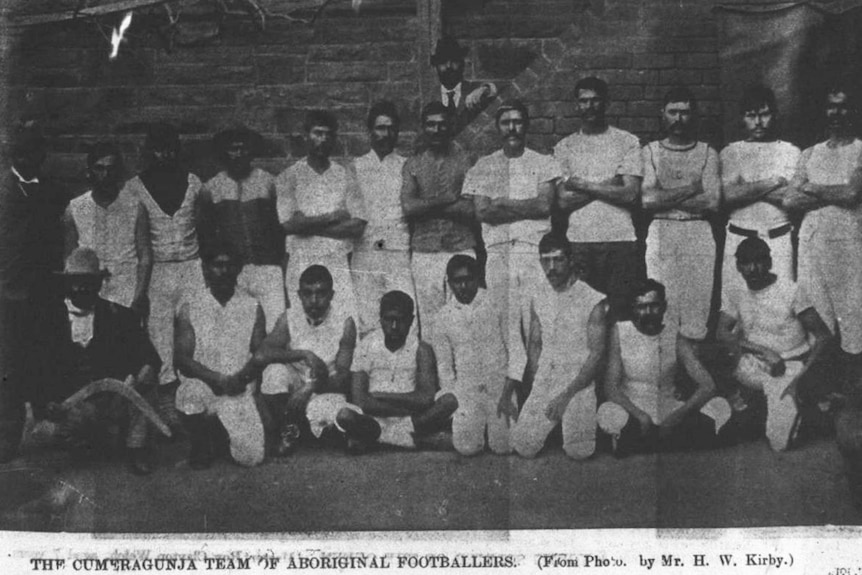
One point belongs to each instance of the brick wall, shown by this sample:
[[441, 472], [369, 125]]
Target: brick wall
[[59, 74]]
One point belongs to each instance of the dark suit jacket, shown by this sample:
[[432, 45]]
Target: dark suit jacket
[[464, 116]]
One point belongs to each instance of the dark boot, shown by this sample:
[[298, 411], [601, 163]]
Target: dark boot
[[201, 455]]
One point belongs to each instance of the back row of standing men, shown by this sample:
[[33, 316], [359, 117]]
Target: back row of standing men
[[392, 223]]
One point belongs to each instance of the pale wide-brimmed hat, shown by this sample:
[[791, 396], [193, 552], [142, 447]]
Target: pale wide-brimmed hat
[[82, 262]]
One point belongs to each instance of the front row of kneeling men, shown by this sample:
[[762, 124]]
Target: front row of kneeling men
[[392, 388]]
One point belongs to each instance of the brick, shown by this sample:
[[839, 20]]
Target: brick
[[652, 60], [503, 60], [203, 75], [553, 49], [712, 76], [542, 125], [616, 107], [380, 51], [279, 70], [580, 61], [641, 77], [359, 29], [482, 27], [184, 96], [45, 78], [400, 72], [639, 126], [642, 108], [566, 125], [685, 77], [208, 55], [673, 44], [306, 95], [188, 119], [697, 60], [276, 33], [346, 72]]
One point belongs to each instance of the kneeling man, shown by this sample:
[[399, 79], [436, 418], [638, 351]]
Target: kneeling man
[[777, 334], [217, 331], [566, 343], [395, 382], [643, 359]]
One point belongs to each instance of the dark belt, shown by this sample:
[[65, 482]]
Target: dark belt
[[773, 233]]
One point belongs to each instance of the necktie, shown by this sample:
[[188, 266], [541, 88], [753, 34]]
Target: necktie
[[450, 95]]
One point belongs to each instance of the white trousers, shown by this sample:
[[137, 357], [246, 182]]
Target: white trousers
[[781, 413], [171, 284], [374, 274], [579, 421], [266, 285], [476, 415], [432, 291]]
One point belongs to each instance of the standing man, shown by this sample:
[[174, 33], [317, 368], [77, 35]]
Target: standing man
[[218, 332], [472, 359], [603, 171], [442, 220], [755, 173], [828, 186], [642, 412], [31, 313], [307, 358], [680, 188], [169, 193], [566, 344], [111, 220], [381, 261], [464, 100], [513, 190], [777, 334], [394, 381], [238, 206], [320, 209]]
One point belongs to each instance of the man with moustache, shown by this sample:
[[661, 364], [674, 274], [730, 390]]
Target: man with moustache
[[513, 190], [442, 220], [381, 260], [773, 326], [31, 309], [565, 347], [755, 174], [238, 206], [645, 355], [464, 100], [828, 188], [170, 194], [320, 210], [603, 169], [680, 188]]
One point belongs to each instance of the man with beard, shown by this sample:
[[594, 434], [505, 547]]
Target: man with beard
[[307, 357], [828, 187], [381, 260], [238, 207], [680, 188], [645, 354], [566, 345], [105, 340], [472, 359], [320, 209], [31, 312], [464, 100], [774, 328], [603, 169], [170, 193], [513, 190], [442, 220], [111, 220], [394, 382], [755, 173], [218, 331]]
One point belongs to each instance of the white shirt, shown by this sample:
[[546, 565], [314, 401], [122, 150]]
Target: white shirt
[[388, 371], [174, 238], [649, 368], [456, 94], [222, 333], [81, 323], [770, 317], [598, 158], [496, 176], [322, 340], [747, 162], [300, 188], [827, 166], [380, 184]]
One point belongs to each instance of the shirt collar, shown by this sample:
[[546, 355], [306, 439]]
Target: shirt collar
[[445, 94]]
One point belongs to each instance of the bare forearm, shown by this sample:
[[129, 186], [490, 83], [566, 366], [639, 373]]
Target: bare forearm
[[196, 370], [376, 407], [350, 229], [413, 401], [843, 195], [418, 208], [585, 376], [506, 211], [301, 224], [657, 199], [745, 193], [143, 273]]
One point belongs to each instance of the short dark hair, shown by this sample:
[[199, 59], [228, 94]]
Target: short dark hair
[[161, 135], [435, 107], [752, 248], [680, 94], [383, 108], [104, 149], [316, 274], [320, 118], [756, 97], [510, 105], [460, 261], [225, 138], [650, 285], [594, 84], [396, 300], [554, 241], [219, 247]]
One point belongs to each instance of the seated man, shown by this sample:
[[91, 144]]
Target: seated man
[[473, 361], [643, 359], [773, 328], [217, 331], [566, 330], [395, 381], [105, 340], [307, 359]]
